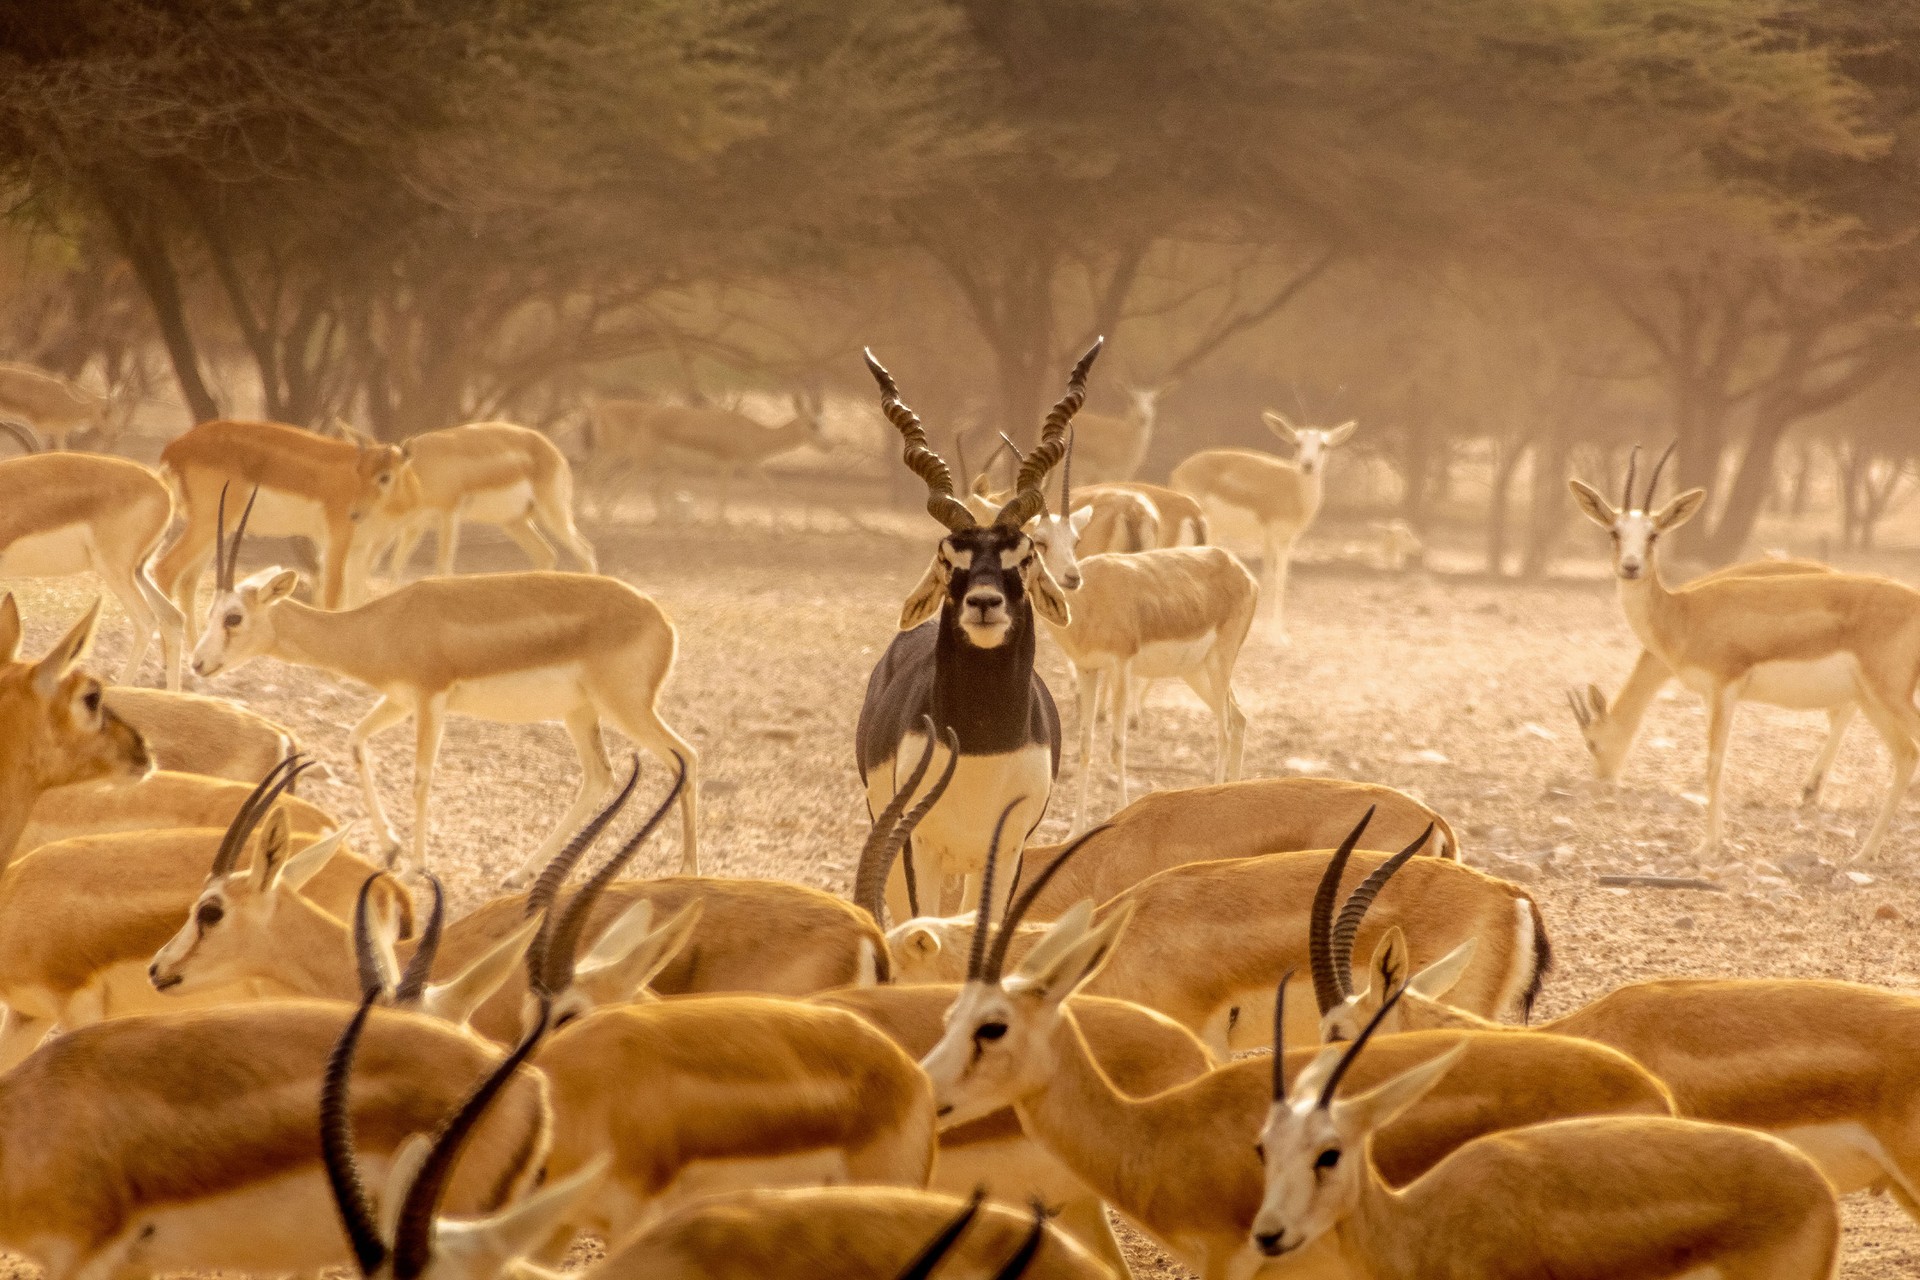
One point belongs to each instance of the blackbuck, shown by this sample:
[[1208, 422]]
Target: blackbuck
[[214, 737], [56, 407], [1282, 497], [1626, 1197], [491, 473], [514, 648], [1822, 1065], [1813, 640], [347, 497], [158, 802], [83, 917], [1180, 1161], [1609, 730], [1208, 938], [68, 513], [633, 436], [964, 657], [55, 726]]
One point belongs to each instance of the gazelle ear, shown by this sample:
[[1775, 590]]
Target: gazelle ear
[[617, 969], [1597, 700], [1342, 433], [925, 599], [920, 942], [67, 654], [306, 864], [1074, 963], [278, 585], [1069, 928], [1278, 424], [1597, 508], [1680, 510], [1049, 601], [1079, 520], [1440, 977], [9, 629], [1379, 1106], [1389, 964], [515, 1232], [276, 834], [456, 999], [400, 1175]]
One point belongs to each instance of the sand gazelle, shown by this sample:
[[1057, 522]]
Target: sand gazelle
[[1179, 1161], [189, 733], [1627, 1197], [55, 726], [66, 513], [1112, 446], [1282, 497], [515, 648], [964, 656], [345, 496], [632, 435], [54, 406], [492, 473], [1609, 730], [1791, 640]]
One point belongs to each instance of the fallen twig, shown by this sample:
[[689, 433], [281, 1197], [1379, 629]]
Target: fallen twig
[[1660, 882]]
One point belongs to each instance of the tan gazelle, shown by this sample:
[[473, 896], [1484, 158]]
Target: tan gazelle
[[55, 726], [217, 737], [1281, 496], [494, 473], [636, 436], [55, 407], [160, 801], [1621, 1197], [346, 496], [68, 513], [1180, 1161], [1809, 641], [514, 648]]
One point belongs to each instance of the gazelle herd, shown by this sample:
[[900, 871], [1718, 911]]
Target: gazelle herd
[[234, 1041]]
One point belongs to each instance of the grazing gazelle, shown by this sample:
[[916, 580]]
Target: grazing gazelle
[[65, 513], [1609, 730], [1801, 640], [964, 656], [1177, 519], [636, 435], [515, 648], [54, 406], [1624, 1197], [345, 496], [1283, 497], [492, 473]]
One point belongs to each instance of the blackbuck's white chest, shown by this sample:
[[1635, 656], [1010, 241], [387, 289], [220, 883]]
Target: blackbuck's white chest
[[959, 828]]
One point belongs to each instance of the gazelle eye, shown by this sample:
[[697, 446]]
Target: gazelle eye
[[1327, 1159], [210, 914], [990, 1031], [91, 700], [232, 621], [1260, 1150]]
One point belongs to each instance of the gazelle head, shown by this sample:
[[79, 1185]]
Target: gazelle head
[[1604, 733], [240, 619], [1311, 443], [54, 727], [231, 924], [999, 1045], [986, 581], [406, 1239], [385, 482], [1314, 1144], [1056, 537], [1634, 526], [1330, 941]]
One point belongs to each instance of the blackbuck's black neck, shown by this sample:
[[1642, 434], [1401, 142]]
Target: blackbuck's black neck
[[985, 695]]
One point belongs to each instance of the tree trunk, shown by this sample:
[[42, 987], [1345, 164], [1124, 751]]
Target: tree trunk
[[1504, 469], [1548, 501], [146, 253], [1752, 481]]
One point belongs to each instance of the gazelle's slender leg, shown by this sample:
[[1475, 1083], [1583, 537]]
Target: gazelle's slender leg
[[139, 616], [447, 540], [1892, 712], [555, 514], [633, 713], [429, 725], [1122, 677], [596, 778], [528, 538], [386, 713], [1720, 705], [1838, 718], [173, 626], [333, 566], [1087, 694]]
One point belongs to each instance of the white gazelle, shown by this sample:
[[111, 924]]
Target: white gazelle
[[1812, 641], [516, 648]]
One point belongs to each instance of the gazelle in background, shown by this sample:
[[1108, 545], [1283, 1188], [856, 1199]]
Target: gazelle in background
[[1282, 497], [217, 737], [964, 657], [347, 497], [53, 406], [161, 801], [55, 726], [1112, 447], [1609, 730], [67, 513], [491, 473], [1627, 1197], [1798, 640], [515, 648], [1177, 519], [631, 436]]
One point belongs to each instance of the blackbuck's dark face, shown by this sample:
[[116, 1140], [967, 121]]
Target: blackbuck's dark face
[[987, 578]]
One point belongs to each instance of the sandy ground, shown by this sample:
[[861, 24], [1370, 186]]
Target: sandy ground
[[1451, 689]]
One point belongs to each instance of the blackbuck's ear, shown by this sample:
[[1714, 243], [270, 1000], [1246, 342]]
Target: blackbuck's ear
[[1342, 433], [1598, 509], [927, 597], [1680, 510], [1049, 601], [1278, 424]]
